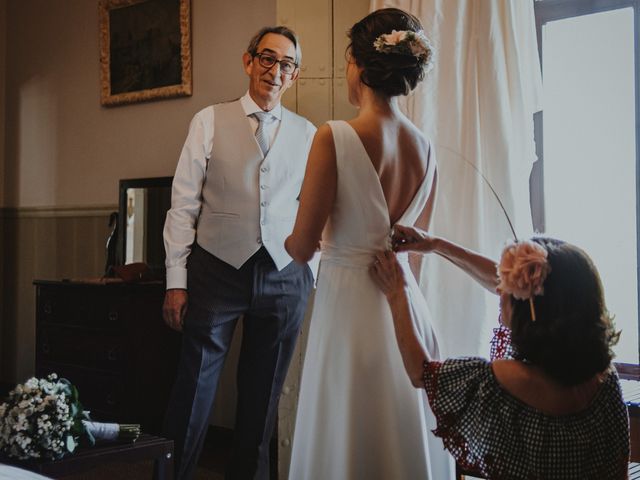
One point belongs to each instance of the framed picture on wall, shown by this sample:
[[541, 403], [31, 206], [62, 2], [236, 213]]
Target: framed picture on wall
[[145, 50]]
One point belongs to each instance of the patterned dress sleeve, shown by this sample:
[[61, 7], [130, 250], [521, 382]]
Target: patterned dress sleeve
[[454, 389]]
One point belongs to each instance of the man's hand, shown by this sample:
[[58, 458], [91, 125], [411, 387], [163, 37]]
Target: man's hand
[[174, 308], [412, 239], [387, 274]]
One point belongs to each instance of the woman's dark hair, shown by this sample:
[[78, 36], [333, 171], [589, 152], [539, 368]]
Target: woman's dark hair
[[572, 335], [390, 74]]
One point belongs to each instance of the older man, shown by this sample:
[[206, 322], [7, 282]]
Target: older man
[[234, 202]]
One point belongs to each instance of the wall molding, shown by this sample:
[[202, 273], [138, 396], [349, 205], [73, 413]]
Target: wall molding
[[58, 212]]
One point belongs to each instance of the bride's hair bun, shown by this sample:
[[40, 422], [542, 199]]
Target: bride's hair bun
[[389, 46]]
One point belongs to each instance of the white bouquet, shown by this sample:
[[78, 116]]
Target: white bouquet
[[43, 418]]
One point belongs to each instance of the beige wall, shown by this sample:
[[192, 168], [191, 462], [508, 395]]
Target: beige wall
[[3, 70], [63, 148], [42, 244], [321, 92]]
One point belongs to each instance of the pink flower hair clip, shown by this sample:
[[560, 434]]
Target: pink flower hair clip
[[522, 271]]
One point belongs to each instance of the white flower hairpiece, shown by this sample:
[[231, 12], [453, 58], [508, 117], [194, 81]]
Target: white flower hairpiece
[[522, 270], [405, 42]]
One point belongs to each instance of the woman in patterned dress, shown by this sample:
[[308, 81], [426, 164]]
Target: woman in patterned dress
[[554, 410]]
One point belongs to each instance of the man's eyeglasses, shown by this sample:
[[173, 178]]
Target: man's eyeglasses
[[287, 67]]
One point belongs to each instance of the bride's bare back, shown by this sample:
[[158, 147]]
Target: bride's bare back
[[400, 154]]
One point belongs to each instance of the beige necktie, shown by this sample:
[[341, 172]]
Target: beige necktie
[[261, 133]]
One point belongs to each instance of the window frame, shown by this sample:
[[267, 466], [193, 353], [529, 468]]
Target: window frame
[[552, 10]]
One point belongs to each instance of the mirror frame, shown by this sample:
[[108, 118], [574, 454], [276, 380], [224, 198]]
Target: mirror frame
[[125, 184]]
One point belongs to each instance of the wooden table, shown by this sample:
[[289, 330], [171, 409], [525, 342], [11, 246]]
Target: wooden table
[[147, 447]]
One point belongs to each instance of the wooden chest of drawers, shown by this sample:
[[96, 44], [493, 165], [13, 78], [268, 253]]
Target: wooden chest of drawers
[[110, 341]]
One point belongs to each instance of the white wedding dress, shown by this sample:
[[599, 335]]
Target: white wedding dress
[[358, 415]]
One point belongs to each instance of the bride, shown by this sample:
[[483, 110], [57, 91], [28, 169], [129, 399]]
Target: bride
[[358, 415]]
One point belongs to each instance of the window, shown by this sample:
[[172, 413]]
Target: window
[[585, 183]]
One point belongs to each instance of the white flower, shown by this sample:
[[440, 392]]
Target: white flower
[[32, 383], [406, 42], [395, 37], [35, 421]]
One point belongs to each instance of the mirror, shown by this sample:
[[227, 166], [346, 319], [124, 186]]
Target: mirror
[[143, 207]]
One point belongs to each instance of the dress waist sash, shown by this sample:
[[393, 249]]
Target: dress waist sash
[[352, 257]]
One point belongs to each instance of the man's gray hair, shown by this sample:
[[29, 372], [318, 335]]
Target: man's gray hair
[[252, 49]]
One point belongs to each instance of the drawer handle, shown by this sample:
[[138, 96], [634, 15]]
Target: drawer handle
[[113, 316], [111, 355], [47, 308]]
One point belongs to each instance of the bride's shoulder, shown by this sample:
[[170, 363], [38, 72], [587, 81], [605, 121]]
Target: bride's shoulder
[[415, 142], [324, 134], [324, 144], [418, 134], [332, 128]]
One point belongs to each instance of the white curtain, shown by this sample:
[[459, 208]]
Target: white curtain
[[476, 106]]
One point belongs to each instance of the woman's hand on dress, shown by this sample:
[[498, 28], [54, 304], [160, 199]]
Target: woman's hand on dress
[[412, 239], [387, 274]]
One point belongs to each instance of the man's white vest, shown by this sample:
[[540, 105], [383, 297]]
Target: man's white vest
[[249, 200]]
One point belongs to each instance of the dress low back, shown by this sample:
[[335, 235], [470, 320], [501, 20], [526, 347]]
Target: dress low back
[[358, 415]]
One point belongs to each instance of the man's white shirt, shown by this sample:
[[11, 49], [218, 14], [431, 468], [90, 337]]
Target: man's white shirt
[[186, 199]]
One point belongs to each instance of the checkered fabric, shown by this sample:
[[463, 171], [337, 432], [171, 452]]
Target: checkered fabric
[[496, 435], [501, 343]]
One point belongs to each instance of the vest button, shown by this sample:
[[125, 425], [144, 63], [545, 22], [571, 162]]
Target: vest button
[[264, 169], [259, 240], [263, 204], [263, 187]]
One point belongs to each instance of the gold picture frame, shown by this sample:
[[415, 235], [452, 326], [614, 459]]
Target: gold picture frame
[[145, 50]]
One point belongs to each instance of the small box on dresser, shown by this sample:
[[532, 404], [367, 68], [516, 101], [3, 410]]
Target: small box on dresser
[[111, 342]]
